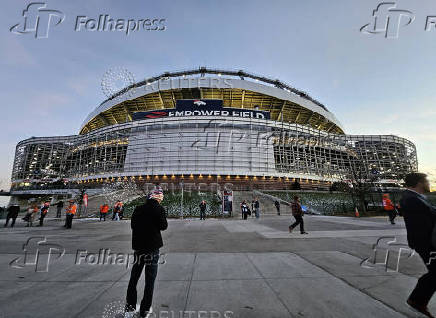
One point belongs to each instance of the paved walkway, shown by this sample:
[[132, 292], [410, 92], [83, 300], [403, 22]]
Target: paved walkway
[[214, 268]]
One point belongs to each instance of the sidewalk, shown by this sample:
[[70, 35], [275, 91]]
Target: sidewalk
[[217, 268]]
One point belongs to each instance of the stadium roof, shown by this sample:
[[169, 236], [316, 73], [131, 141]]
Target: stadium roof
[[284, 102]]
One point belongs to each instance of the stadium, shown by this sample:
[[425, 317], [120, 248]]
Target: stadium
[[211, 126]]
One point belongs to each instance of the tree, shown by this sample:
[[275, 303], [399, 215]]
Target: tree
[[360, 182]]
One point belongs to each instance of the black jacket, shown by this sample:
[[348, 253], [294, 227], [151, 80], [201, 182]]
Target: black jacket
[[420, 219], [203, 207], [13, 211], [147, 222]]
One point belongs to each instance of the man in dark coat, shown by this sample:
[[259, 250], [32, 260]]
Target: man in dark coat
[[298, 213], [203, 210], [12, 214], [147, 222], [420, 218], [60, 206]]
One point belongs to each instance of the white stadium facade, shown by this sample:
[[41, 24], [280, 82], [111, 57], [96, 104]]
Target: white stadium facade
[[210, 126]]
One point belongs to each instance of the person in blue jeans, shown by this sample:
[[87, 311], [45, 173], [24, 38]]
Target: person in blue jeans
[[149, 263], [147, 222]]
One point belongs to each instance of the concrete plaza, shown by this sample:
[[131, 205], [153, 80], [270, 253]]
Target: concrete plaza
[[215, 268]]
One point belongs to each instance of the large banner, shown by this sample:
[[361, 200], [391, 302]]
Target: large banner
[[201, 107]]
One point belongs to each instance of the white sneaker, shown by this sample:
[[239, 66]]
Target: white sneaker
[[133, 313], [149, 314], [129, 314]]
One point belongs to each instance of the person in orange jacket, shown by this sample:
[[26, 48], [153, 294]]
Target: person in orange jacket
[[104, 209], [389, 207], [70, 212]]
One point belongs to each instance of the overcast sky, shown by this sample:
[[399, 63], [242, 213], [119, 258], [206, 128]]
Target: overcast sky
[[372, 84]]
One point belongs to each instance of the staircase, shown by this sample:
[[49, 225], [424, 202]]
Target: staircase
[[266, 201]]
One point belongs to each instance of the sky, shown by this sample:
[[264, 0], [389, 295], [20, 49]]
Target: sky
[[373, 84]]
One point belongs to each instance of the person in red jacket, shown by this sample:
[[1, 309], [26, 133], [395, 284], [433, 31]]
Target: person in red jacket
[[389, 207]]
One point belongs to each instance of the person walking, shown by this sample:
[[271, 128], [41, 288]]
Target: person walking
[[59, 206], [203, 206], [69, 214], [277, 205], [298, 213], [147, 222], [43, 212], [117, 211], [420, 219], [245, 210], [389, 207], [30, 216], [104, 209], [256, 207], [12, 214]]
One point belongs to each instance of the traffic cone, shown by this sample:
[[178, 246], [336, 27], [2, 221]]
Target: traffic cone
[[356, 213]]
